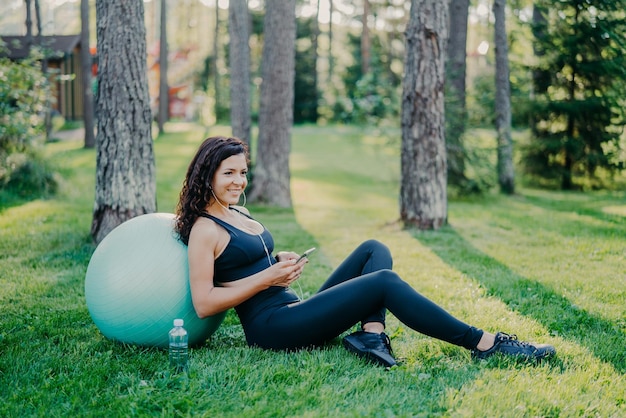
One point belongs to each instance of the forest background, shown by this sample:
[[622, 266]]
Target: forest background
[[199, 32], [340, 78]]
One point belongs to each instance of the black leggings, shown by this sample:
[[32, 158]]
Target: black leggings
[[360, 290]]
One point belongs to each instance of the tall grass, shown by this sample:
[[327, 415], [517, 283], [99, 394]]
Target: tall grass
[[548, 266]]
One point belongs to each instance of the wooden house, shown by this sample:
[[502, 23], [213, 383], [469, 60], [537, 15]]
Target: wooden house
[[63, 62]]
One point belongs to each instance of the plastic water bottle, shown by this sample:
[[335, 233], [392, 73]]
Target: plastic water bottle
[[179, 350]]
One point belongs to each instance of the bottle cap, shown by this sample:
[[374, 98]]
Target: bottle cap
[[179, 322]]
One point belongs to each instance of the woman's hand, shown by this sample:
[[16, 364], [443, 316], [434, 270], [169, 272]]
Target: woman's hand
[[286, 272], [286, 255], [282, 273]]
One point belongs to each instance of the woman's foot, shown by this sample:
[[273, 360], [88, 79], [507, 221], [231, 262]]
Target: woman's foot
[[511, 346], [372, 346]]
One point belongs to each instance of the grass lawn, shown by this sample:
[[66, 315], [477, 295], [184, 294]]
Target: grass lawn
[[548, 266]]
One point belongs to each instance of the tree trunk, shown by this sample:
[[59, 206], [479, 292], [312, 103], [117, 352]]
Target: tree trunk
[[315, 46], [29, 24], [239, 33], [164, 90], [44, 68], [39, 25], [539, 24], [506, 176], [125, 168], [331, 61], [365, 40], [456, 111], [85, 65], [216, 72], [423, 199], [271, 172], [39, 36]]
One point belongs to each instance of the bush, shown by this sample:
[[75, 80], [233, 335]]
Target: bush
[[30, 176], [24, 95]]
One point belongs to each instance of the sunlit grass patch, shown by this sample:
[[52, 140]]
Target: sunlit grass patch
[[619, 210]]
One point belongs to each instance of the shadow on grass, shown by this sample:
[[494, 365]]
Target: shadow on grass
[[605, 339], [9, 200], [593, 207]]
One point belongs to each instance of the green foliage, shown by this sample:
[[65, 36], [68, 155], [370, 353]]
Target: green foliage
[[472, 163], [24, 94], [520, 45], [481, 101], [480, 165], [306, 94], [373, 97], [580, 85], [31, 175]]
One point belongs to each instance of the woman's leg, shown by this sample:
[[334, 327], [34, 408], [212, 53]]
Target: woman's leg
[[334, 310], [369, 257]]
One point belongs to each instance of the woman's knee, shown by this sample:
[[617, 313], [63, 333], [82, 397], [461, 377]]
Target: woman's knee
[[388, 277], [376, 247]]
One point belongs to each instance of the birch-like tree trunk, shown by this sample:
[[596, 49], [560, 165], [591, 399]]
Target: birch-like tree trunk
[[506, 176], [125, 169], [239, 33], [271, 172], [423, 199]]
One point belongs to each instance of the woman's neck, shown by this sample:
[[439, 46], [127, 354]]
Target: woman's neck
[[217, 208]]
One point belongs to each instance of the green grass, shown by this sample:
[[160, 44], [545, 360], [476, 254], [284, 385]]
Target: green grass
[[548, 266]]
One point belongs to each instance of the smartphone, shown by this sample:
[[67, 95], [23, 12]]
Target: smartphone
[[305, 254]]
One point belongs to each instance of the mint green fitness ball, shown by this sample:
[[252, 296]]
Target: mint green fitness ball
[[137, 283]]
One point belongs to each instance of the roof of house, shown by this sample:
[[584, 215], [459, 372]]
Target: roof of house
[[55, 46]]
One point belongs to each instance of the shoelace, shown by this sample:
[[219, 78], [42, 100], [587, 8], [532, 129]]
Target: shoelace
[[386, 342], [511, 338]]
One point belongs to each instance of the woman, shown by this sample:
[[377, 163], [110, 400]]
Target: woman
[[231, 264]]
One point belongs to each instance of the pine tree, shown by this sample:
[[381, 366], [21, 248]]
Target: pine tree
[[578, 112], [423, 198], [125, 166], [271, 172], [239, 62]]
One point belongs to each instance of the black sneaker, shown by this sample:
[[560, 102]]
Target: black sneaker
[[510, 345], [372, 346]]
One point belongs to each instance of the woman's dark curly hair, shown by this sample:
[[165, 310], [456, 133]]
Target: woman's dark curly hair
[[196, 192]]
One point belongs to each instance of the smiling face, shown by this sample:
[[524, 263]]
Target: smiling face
[[230, 179]]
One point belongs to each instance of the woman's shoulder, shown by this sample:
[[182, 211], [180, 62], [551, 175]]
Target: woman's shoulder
[[207, 237], [204, 228]]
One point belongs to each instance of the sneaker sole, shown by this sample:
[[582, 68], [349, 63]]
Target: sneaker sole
[[527, 357]]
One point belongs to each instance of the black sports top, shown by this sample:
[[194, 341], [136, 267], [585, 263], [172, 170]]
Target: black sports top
[[245, 255]]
